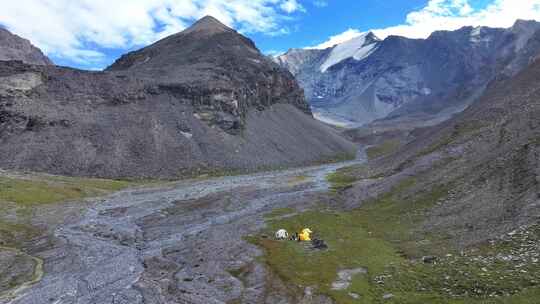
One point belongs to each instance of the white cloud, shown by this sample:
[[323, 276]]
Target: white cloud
[[291, 6], [78, 30], [280, 32], [452, 15], [337, 39], [274, 53]]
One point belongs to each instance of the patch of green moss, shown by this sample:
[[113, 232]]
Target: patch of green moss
[[345, 177], [383, 236], [340, 180], [395, 217], [534, 141], [279, 212], [21, 195], [356, 239], [461, 129], [350, 244], [12, 235], [51, 189], [385, 148], [340, 157], [205, 173], [297, 180], [98, 184]]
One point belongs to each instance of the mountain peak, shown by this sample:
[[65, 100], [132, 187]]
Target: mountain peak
[[523, 22], [209, 25], [357, 48], [190, 55], [370, 36], [525, 25]]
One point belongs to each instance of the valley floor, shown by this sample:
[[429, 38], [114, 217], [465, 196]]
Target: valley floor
[[211, 241], [181, 242]]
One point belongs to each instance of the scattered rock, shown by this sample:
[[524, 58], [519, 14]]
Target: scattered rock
[[354, 295], [430, 259], [319, 244], [345, 277]]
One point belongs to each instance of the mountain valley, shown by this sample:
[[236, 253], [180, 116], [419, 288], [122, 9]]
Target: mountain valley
[[163, 178]]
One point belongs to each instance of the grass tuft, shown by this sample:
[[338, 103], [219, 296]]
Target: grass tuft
[[280, 212], [385, 148], [340, 180]]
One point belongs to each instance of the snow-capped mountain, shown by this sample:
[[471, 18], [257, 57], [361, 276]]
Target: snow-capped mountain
[[357, 48], [400, 81]]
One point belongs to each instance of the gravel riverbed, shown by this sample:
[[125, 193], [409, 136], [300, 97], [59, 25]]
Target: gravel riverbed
[[178, 243]]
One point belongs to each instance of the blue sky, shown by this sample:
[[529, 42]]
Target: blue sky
[[318, 23], [91, 34]]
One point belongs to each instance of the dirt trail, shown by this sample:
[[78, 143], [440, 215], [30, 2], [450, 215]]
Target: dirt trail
[[179, 243]]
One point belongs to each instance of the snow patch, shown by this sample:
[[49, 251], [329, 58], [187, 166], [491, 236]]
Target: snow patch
[[358, 48], [426, 91], [334, 120], [254, 60], [476, 36], [476, 31]]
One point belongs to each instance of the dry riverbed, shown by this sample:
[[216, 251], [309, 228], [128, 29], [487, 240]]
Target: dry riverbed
[[181, 242]]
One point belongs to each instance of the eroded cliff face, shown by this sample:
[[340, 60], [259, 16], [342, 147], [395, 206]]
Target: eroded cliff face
[[204, 100], [227, 107]]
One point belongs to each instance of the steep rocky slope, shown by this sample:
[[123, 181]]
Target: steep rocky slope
[[404, 82], [221, 69], [203, 100], [488, 158], [13, 47]]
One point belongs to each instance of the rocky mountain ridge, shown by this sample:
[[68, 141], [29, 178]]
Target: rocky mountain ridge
[[222, 73], [487, 157], [411, 82], [13, 47], [201, 101]]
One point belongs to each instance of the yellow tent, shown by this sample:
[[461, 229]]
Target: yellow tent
[[305, 235]]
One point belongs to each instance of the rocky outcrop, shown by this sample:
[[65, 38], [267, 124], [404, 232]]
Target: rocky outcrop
[[13, 47], [203, 100], [405, 83]]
